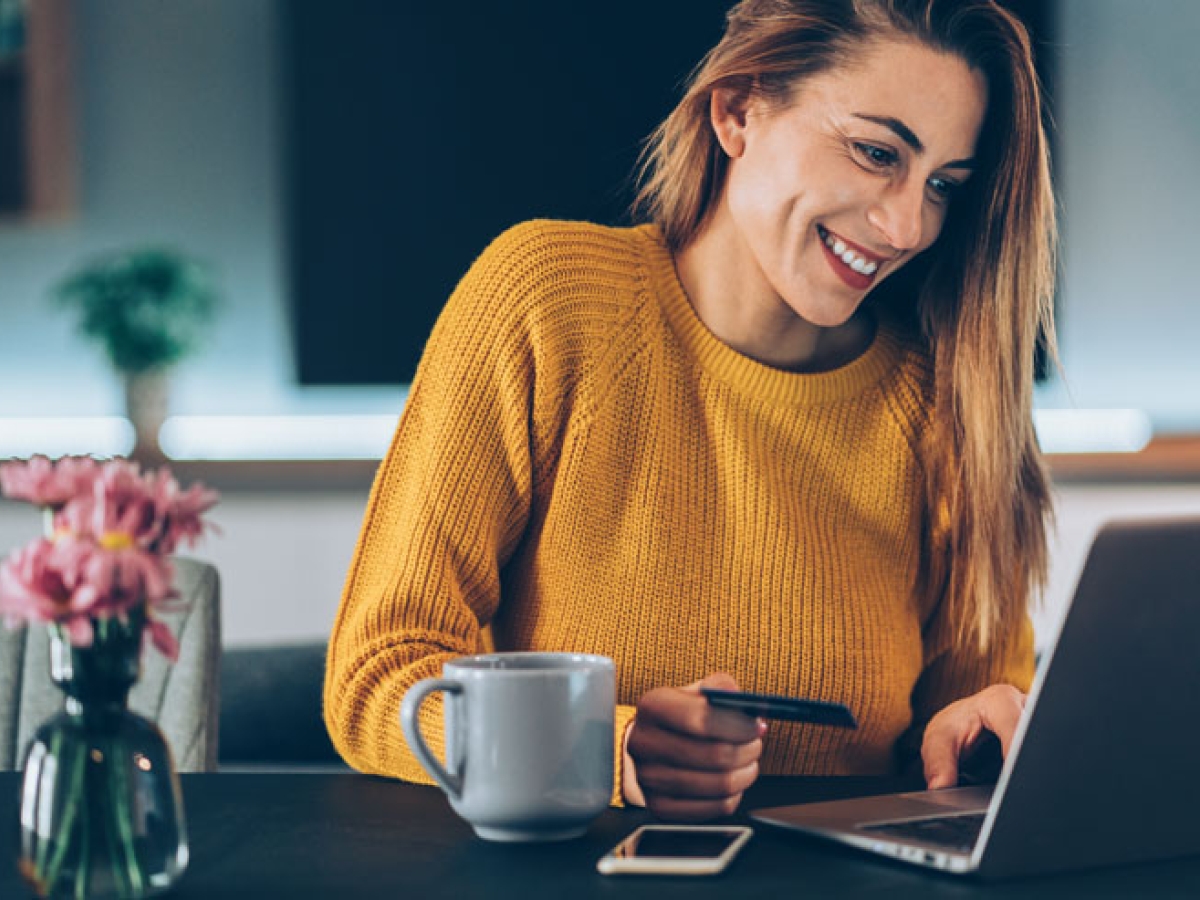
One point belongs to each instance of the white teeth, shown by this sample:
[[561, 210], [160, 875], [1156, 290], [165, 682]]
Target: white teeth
[[848, 256]]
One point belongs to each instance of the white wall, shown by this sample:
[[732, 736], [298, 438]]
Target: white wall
[[1128, 99]]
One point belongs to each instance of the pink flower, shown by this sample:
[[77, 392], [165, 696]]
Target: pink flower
[[119, 503], [43, 582], [163, 638], [70, 581], [180, 511], [44, 482], [115, 580], [33, 588], [150, 510], [114, 531]]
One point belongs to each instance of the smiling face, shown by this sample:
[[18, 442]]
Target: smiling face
[[836, 190]]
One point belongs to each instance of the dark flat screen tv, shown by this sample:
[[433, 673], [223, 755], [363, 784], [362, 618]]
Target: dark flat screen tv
[[417, 132]]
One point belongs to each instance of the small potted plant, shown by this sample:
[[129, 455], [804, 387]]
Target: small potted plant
[[148, 308]]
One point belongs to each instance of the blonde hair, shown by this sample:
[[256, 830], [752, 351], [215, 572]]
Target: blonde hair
[[983, 293]]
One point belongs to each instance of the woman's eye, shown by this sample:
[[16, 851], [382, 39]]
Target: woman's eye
[[877, 156], [943, 188]]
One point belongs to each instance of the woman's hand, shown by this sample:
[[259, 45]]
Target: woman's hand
[[687, 760], [957, 729]]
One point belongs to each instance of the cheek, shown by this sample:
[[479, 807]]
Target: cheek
[[844, 193], [754, 185]]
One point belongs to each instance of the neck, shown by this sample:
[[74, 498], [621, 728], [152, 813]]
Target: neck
[[732, 298]]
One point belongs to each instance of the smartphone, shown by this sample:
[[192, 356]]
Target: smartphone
[[775, 706], [675, 850]]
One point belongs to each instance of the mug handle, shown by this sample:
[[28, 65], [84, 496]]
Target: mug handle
[[409, 707]]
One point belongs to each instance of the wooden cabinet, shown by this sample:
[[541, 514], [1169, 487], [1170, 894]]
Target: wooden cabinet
[[37, 110]]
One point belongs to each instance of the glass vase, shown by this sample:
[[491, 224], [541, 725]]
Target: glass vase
[[101, 810]]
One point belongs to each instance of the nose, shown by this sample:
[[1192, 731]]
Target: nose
[[899, 216]]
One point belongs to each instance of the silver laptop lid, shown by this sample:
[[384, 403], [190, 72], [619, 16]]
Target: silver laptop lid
[[1103, 767]]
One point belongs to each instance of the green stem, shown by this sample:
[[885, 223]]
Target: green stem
[[77, 809], [75, 761], [105, 796], [124, 852], [85, 857]]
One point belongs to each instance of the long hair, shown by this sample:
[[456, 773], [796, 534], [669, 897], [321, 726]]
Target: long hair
[[982, 294]]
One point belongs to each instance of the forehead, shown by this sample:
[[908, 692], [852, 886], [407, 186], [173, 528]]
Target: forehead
[[935, 93]]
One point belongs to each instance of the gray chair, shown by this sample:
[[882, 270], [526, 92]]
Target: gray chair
[[182, 697]]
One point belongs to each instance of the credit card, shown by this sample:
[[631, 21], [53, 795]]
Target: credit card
[[776, 706]]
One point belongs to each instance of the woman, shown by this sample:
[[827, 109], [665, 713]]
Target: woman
[[778, 438]]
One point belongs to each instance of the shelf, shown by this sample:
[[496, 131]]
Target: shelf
[[278, 476], [1165, 460]]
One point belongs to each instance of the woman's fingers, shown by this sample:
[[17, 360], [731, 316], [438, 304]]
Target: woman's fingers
[[689, 760], [958, 727], [1002, 713], [648, 743], [687, 712], [681, 809], [673, 781]]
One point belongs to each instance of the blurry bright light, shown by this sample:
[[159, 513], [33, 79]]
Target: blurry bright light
[[95, 436], [368, 436], [277, 437], [1092, 430]]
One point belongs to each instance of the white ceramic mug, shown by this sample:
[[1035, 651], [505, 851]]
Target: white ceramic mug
[[529, 741]]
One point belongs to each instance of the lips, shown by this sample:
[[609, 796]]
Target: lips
[[855, 265]]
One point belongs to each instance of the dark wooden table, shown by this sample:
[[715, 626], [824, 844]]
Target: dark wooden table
[[268, 835]]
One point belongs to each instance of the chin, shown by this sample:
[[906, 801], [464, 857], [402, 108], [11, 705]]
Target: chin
[[827, 317]]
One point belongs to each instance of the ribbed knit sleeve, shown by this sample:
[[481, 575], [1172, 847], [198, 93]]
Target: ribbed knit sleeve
[[449, 502]]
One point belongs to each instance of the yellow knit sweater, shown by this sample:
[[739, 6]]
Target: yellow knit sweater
[[583, 466]]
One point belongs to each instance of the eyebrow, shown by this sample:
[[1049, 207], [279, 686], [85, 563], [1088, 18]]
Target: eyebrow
[[909, 137]]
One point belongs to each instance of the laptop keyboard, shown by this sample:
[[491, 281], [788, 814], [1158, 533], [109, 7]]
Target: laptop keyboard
[[956, 832]]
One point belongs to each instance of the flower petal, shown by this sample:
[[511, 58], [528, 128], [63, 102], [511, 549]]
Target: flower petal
[[163, 638]]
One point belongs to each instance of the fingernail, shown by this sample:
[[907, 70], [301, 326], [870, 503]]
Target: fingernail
[[762, 726]]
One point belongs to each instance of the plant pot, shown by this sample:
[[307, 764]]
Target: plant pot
[[147, 395]]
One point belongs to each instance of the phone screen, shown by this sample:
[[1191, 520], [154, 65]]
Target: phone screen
[[673, 844]]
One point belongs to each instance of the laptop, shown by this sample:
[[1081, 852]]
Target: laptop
[[1105, 764]]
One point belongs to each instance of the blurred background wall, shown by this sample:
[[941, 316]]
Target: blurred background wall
[[1129, 135], [183, 138], [178, 135]]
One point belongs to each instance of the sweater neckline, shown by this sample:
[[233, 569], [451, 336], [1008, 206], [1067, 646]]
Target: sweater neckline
[[747, 375]]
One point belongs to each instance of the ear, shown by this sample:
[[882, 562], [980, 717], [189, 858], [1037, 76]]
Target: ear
[[728, 111]]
